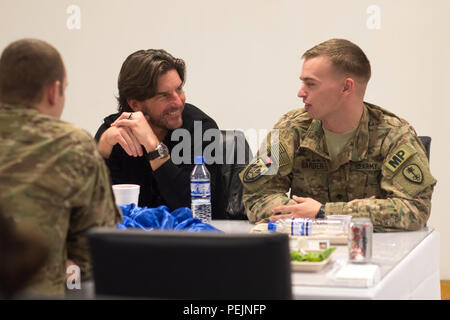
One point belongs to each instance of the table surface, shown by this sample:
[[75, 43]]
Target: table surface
[[388, 250]]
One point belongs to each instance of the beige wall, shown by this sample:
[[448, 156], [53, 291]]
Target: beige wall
[[243, 58]]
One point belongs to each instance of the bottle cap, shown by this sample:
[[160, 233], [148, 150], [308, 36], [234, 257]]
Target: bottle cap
[[271, 226], [199, 160]]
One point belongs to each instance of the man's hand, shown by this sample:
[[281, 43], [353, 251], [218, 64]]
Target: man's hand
[[305, 208], [138, 124], [122, 136]]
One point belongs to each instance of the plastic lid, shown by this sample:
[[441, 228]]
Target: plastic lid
[[199, 160], [271, 226]]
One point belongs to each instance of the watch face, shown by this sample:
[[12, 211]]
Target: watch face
[[163, 150]]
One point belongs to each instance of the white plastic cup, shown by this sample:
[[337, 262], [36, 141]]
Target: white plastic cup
[[126, 193], [346, 219]]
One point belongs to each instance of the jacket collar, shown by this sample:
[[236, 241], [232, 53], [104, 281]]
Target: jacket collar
[[356, 150], [17, 108]]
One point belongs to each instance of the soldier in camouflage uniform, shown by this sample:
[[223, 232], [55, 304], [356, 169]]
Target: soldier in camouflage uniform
[[340, 155], [53, 181]]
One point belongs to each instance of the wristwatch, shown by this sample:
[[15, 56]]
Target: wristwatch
[[321, 213], [160, 152]]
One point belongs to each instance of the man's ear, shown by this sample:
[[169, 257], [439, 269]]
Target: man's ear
[[349, 86], [134, 105], [52, 91]]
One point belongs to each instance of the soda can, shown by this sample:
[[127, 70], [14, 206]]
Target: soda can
[[360, 240]]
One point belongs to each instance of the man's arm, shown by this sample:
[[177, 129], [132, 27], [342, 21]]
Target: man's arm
[[408, 189], [259, 205], [92, 203], [407, 182], [108, 135], [174, 180], [268, 177]]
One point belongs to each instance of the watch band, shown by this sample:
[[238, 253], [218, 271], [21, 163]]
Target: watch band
[[152, 155], [161, 152], [321, 213]]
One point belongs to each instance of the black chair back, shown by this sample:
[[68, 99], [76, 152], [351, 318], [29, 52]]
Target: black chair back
[[183, 265], [426, 142], [237, 154]]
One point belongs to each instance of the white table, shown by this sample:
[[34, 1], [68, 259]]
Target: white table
[[408, 261]]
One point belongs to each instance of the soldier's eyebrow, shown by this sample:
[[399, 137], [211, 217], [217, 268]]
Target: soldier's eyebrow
[[308, 79]]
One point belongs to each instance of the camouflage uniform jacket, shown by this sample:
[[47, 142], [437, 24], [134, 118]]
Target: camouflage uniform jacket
[[384, 159], [53, 182]]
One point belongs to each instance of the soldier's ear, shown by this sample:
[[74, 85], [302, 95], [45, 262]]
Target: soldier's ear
[[51, 92], [349, 86]]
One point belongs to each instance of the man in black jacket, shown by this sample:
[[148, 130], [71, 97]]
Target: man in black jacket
[[137, 141]]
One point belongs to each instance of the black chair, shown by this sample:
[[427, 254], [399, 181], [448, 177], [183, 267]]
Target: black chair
[[236, 155], [426, 142], [183, 265]]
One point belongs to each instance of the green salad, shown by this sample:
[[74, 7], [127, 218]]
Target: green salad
[[312, 256]]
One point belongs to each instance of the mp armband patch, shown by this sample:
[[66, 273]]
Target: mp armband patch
[[400, 156]]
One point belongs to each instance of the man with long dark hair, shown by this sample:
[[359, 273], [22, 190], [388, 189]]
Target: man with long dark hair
[[136, 142]]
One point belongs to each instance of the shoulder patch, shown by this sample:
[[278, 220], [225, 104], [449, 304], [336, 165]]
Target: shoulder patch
[[255, 170], [281, 157], [413, 173], [402, 154]]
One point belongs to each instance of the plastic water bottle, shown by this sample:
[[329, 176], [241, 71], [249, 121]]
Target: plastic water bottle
[[201, 191], [307, 227]]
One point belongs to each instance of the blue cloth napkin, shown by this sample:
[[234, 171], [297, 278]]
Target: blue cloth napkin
[[161, 218]]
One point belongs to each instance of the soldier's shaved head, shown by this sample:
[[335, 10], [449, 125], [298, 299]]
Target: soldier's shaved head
[[27, 66]]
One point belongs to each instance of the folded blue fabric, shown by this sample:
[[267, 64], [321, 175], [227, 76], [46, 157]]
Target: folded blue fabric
[[161, 218]]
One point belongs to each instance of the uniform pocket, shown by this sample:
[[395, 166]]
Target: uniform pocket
[[365, 180], [315, 184]]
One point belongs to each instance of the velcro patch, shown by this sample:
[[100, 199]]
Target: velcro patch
[[402, 154], [255, 170], [413, 173], [314, 164], [366, 166], [278, 154]]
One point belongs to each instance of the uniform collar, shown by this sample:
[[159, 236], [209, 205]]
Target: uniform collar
[[361, 139], [314, 140], [16, 107]]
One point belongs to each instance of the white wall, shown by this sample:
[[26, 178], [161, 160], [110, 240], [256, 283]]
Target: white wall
[[243, 59]]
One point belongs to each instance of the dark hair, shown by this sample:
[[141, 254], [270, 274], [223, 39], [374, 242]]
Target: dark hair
[[344, 55], [139, 75], [26, 67]]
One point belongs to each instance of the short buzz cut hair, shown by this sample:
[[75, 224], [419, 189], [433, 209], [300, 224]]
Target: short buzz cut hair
[[27, 66], [344, 55], [139, 75]]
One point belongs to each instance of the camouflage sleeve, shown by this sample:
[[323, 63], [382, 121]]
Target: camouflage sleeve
[[407, 182], [267, 179], [92, 203]]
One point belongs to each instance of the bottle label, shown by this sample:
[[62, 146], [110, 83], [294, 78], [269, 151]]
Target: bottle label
[[200, 189], [301, 227]]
